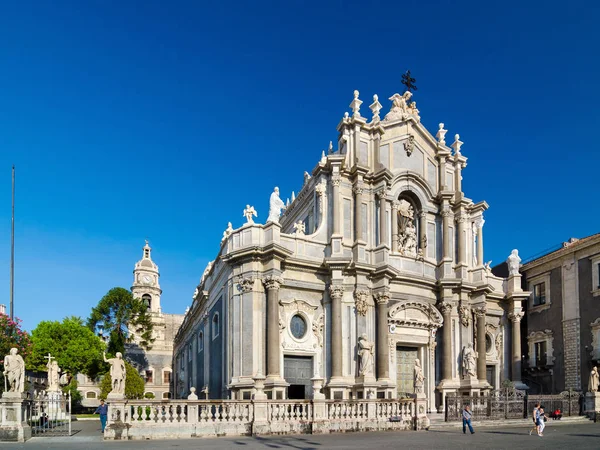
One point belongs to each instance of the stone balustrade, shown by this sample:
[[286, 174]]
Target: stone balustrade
[[163, 419]]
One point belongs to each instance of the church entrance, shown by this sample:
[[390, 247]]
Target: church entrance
[[297, 371], [405, 357]]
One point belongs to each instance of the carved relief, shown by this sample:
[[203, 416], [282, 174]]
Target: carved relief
[[321, 190], [336, 290], [445, 307], [361, 301], [464, 313], [515, 317], [272, 281], [317, 328], [336, 179], [245, 284], [415, 315], [409, 145]]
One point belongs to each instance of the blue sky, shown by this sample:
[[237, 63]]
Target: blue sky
[[162, 120]]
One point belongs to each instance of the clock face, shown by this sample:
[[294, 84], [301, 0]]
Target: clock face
[[146, 279]]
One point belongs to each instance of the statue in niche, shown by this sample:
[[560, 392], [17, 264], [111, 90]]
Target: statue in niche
[[513, 262], [469, 361], [275, 206], [365, 353], [594, 380], [419, 377], [14, 371], [407, 236]]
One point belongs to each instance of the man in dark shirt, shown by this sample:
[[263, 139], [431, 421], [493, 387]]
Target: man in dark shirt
[[103, 411]]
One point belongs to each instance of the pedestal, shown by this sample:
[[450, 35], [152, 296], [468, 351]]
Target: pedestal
[[116, 428], [592, 403], [421, 420], [13, 418]]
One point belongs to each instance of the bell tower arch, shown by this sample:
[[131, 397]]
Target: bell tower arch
[[146, 284]]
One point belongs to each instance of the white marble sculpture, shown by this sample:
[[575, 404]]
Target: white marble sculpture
[[275, 206], [118, 374], [469, 361], [227, 231], [419, 377], [14, 371], [306, 177], [407, 236], [594, 380], [53, 374], [375, 108], [513, 262], [299, 228], [402, 107], [248, 213], [365, 353]]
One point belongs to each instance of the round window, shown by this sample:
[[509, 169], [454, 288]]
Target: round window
[[298, 326], [488, 343]]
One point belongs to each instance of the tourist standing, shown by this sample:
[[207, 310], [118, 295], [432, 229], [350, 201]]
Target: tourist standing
[[467, 415], [103, 411], [543, 419]]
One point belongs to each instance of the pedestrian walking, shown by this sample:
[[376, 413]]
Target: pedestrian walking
[[103, 411], [467, 415], [543, 419], [535, 417]]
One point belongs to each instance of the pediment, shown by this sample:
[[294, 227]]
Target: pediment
[[415, 314]]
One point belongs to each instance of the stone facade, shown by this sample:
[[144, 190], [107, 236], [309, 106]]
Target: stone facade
[[560, 316], [381, 244]]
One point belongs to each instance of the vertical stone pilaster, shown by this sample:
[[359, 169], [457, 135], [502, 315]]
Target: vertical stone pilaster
[[336, 292], [481, 351], [383, 350], [336, 179], [395, 206], [446, 233], [358, 191], [382, 218], [479, 225], [572, 352], [423, 231], [515, 318], [272, 284], [462, 242]]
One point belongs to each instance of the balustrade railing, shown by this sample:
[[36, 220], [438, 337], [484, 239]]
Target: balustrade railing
[[281, 411]]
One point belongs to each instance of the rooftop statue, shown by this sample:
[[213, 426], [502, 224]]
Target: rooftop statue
[[275, 206], [513, 262], [248, 213]]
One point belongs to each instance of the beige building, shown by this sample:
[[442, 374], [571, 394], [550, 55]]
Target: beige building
[[378, 262]]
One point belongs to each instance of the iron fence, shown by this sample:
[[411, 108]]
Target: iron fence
[[569, 402], [49, 413]]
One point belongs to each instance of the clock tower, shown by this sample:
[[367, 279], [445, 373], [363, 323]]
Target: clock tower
[[145, 281]]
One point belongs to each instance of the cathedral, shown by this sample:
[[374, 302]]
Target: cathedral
[[371, 283]]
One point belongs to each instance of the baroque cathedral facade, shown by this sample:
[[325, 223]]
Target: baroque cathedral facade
[[376, 267]]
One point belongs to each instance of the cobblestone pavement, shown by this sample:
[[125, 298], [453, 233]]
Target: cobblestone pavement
[[580, 436]]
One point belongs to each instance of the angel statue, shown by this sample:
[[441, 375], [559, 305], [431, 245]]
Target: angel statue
[[248, 213]]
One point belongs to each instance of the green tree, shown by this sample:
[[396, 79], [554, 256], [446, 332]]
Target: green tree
[[134, 384], [76, 348], [120, 316], [11, 336]]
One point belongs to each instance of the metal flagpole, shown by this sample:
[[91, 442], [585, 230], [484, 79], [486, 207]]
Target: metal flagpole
[[12, 250]]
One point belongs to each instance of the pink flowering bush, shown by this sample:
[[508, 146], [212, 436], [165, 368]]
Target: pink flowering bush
[[11, 336]]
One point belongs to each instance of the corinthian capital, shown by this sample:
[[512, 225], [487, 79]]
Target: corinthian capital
[[336, 179], [445, 307], [245, 284], [383, 296], [336, 290], [515, 317], [272, 281], [479, 311]]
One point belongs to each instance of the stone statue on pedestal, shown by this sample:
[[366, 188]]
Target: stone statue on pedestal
[[275, 206], [14, 372], [513, 262], [469, 361], [249, 212], [53, 375], [419, 377], [365, 353], [118, 373], [594, 380]]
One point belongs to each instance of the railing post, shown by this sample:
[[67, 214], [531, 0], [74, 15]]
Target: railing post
[[192, 413]]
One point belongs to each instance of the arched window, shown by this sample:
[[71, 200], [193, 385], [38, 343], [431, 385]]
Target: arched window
[[410, 238], [215, 325], [90, 394], [147, 299], [167, 376]]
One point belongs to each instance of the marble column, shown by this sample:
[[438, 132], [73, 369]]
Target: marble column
[[336, 292], [480, 223], [272, 284], [382, 219], [358, 191], [335, 182], [481, 350], [515, 318], [446, 233], [446, 309], [383, 349], [395, 206]]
